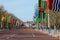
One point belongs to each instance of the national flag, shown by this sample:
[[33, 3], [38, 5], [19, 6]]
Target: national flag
[[40, 1], [59, 5], [37, 12], [45, 4], [50, 2], [37, 20], [44, 16], [12, 22], [3, 18], [54, 5], [41, 9], [10, 17]]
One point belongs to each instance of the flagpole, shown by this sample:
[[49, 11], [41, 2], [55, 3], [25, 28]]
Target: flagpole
[[7, 22], [42, 14], [48, 23], [48, 19]]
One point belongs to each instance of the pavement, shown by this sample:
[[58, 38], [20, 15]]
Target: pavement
[[53, 33], [25, 34]]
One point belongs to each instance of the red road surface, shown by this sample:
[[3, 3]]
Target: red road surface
[[25, 34]]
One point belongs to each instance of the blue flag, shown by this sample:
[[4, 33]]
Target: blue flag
[[37, 12]]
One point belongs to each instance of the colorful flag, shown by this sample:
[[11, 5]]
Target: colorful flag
[[37, 12], [12, 22], [10, 17], [3, 18], [44, 16], [40, 3], [50, 2], [37, 20], [54, 5], [45, 4], [59, 5], [41, 9]]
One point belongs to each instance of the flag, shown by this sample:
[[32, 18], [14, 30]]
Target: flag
[[59, 5], [50, 2], [54, 5], [45, 4], [44, 16], [12, 22], [3, 18], [41, 9], [40, 3], [37, 20], [10, 17], [37, 12]]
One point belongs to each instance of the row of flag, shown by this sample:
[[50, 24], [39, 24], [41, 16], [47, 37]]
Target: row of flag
[[38, 10], [9, 19], [53, 5]]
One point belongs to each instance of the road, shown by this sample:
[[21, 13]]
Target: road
[[25, 34]]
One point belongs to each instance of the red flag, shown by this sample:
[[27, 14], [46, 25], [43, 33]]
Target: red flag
[[41, 9], [12, 21], [50, 2]]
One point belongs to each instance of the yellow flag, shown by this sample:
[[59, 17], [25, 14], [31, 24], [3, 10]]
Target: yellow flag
[[3, 18]]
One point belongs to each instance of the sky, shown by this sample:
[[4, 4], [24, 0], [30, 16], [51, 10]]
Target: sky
[[23, 9]]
